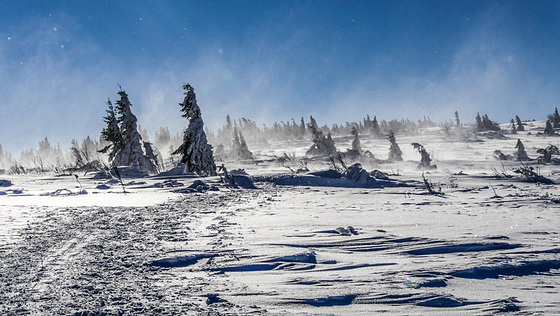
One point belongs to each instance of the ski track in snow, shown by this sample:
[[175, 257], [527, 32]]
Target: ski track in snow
[[487, 246]]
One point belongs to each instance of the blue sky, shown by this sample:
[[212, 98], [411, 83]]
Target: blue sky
[[272, 60]]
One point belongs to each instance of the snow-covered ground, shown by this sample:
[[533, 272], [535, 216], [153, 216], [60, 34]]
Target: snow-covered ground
[[299, 243]]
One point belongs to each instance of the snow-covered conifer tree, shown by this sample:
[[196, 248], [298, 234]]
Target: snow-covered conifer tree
[[395, 153], [151, 154], [321, 145], [457, 120], [479, 126], [112, 133], [547, 153], [45, 148], [425, 160], [302, 129], [518, 123], [555, 118], [521, 154], [195, 151], [131, 149], [375, 130], [76, 153], [162, 138], [125, 143], [356, 146], [548, 130], [512, 127], [239, 147], [229, 126]]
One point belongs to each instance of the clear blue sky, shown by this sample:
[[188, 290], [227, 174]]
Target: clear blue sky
[[272, 60]]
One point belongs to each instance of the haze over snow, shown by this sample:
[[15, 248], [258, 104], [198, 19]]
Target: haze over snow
[[60, 61]]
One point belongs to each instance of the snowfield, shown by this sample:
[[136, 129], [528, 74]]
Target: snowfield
[[486, 242]]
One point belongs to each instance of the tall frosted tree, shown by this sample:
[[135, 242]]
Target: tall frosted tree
[[239, 148], [375, 130], [321, 145], [395, 153], [518, 123], [555, 119], [125, 143], [112, 133], [512, 126], [356, 146], [521, 154], [195, 151], [132, 149]]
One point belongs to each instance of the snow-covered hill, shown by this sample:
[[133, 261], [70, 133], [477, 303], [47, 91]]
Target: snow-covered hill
[[485, 241]]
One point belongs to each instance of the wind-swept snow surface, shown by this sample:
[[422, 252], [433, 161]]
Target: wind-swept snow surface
[[313, 243]]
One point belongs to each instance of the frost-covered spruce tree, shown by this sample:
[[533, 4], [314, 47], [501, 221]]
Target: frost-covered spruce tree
[[112, 133], [302, 129], [513, 129], [555, 118], [375, 130], [547, 153], [518, 123], [479, 126], [76, 154], [548, 130], [521, 154], [489, 124], [239, 147], [395, 153], [321, 145], [229, 126], [425, 161], [356, 146], [151, 153], [195, 151], [131, 148], [457, 120]]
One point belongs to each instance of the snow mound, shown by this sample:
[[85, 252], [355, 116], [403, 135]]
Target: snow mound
[[441, 301], [102, 187], [354, 177], [214, 298], [179, 170], [312, 180], [379, 175], [467, 247], [171, 183], [132, 171], [244, 181], [495, 272], [179, 262], [348, 231], [357, 174], [301, 257], [504, 306], [434, 283], [199, 185], [331, 300], [329, 174]]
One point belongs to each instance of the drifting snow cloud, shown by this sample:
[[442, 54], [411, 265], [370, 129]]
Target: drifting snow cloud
[[56, 80]]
